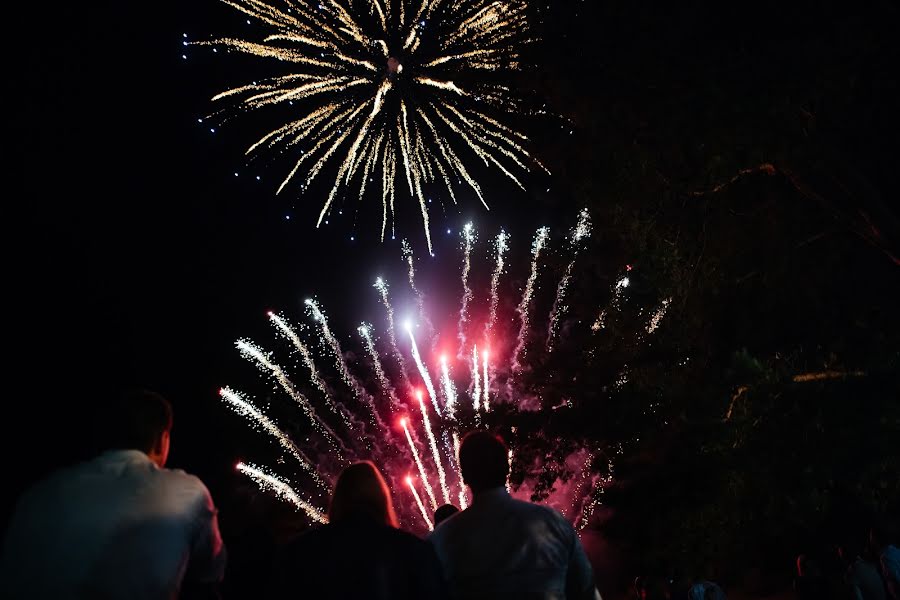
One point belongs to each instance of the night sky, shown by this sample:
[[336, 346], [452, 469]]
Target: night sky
[[135, 256]]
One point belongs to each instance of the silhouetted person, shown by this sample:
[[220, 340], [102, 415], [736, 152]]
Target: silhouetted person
[[360, 553], [810, 582], [443, 512], [861, 575], [505, 548], [706, 590], [884, 545], [117, 526]]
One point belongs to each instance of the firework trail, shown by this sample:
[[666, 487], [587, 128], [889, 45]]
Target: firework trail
[[382, 287], [418, 460], [621, 285], [540, 241], [416, 93], [242, 406], [476, 383], [449, 389], [254, 353], [509, 461], [269, 481], [358, 392], [412, 488], [365, 332], [319, 317], [500, 246], [468, 235], [411, 274], [442, 477], [658, 315], [599, 484], [463, 502], [287, 331], [581, 232], [423, 371], [486, 383]]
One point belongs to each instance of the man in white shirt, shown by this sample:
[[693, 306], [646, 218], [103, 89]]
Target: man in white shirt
[[117, 526], [505, 548]]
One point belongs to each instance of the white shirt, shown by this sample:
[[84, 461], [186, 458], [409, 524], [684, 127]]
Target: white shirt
[[116, 526], [501, 547]]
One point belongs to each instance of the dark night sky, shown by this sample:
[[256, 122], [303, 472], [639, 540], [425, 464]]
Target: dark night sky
[[135, 257]]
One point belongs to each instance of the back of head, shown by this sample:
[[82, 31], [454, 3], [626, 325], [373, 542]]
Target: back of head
[[483, 460], [361, 491], [136, 420], [443, 512]]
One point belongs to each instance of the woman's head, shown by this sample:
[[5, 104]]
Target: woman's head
[[361, 491]]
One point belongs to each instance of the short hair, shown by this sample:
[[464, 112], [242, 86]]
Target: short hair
[[136, 420], [361, 491], [483, 460], [443, 512]]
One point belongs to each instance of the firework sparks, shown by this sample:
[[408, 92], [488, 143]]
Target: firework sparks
[[468, 235], [621, 285], [476, 381], [423, 371], [463, 501], [412, 489], [286, 330], [449, 388], [500, 247], [411, 274], [328, 337], [382, 287], [267, 480], [658, 315], [271, 482], [581, 232], [252, 352], [418, 460], [242, 406], [365, 331], [540, 241], [352, 92], [432, 442], [486, 382]]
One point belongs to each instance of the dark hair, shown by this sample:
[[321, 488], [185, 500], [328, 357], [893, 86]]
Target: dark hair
[[444, 511], [360, 490], [483, 460], [136, 419]]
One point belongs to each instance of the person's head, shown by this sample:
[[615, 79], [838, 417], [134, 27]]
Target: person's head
[[483, 460], [360, 491], [444, 511], [140, 420]]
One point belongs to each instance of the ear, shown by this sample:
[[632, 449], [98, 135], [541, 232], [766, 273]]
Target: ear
[[164, 442]]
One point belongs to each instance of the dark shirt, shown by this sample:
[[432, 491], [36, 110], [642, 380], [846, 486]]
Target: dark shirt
[[501, 547], [358, 558]]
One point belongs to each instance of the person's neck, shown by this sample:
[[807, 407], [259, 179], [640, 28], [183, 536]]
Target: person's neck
[[491, 492]]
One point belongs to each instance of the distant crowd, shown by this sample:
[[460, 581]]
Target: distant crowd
[[123, 526]]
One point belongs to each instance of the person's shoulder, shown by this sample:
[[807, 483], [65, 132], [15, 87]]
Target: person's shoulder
[[183, 484], [404, 538], [538, 510]]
